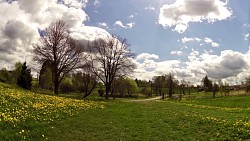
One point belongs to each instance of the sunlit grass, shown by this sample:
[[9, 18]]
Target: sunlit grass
[[26, 115], [20, 106]]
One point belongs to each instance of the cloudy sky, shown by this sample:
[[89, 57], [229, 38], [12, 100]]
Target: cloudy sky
[[190, 38]]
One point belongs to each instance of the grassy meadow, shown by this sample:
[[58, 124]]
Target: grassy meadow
[[27, 115]]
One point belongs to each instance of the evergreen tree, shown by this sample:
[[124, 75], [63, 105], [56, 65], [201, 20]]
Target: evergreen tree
[[25, 78], [45, 77], [207, 84]]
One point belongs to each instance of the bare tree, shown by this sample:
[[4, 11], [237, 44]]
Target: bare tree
[[87, 80], [110, 58], [170, 84], [60, 49]]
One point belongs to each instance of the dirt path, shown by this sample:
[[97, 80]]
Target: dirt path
[[143, 100]]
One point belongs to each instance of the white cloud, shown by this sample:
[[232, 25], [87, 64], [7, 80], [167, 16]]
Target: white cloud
[[229, 65], [119, 23], [75, 3], [130, 25], [89, 33], [97, 3], [103, 24], [131, 16], [127, 26], [182, 12], [246, 36], [21, 20], [226, 65], [246, 25], [149, 8], [211, 42], [179, 53], [146, 56], [186, 39], [204, 41]]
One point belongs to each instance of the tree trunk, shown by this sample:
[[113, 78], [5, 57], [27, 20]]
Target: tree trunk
[[107, 91], [56, 87]]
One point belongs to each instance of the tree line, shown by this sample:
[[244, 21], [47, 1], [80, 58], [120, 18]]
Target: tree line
[[69, 65]]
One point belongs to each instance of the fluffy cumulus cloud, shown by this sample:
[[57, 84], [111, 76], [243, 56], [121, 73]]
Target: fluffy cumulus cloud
[[147, 56], [126, 26], [179, 14], [229, 66], [21, 21]]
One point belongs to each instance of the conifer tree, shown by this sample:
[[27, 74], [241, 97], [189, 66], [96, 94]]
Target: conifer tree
[[25, 77]]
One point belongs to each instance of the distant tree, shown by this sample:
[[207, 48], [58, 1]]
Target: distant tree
[[25, 77], [66, 84], [216, 88], [16, 72], [124, 86], [11, 76], [146, 91], [247, 84], [110, 59], [60, 49], [45, 76], [226, 89], [170, 84], [142, 83], [86, 82], [183, 85], [131, 86], [159, 82], [207, 84], [221, 87], [5, 76]]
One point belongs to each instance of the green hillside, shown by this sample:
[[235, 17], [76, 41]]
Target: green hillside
[[32, 116], [27, 115]]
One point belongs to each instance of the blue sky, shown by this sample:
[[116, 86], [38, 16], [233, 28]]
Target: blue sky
[[149, 36], [190, 38]]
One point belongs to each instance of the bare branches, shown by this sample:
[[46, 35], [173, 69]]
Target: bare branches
[[63, 52], [110, 59]]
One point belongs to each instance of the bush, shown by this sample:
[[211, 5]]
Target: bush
[[66, 85], [101, 92]]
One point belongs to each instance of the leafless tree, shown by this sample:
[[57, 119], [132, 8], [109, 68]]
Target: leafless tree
[[60, 49], [110, 58], [88, 79], [170, 84]]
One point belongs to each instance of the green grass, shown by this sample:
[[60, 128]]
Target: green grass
[[221, 118]]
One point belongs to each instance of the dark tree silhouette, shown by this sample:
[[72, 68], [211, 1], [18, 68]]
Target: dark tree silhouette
[[159, 82], [248, 84], [60, 49], [110, 59], [170, 84], [207, 84], [25, 77]]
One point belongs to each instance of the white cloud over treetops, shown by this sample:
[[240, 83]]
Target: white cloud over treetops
[[229, 65], [23, 21], [179, 14]]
